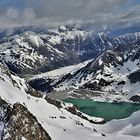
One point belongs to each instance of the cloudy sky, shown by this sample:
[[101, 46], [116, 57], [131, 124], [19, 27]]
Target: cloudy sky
[[54, 12]]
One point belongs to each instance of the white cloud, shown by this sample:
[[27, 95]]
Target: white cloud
[[12, 13], [54, 12], [29, 15]]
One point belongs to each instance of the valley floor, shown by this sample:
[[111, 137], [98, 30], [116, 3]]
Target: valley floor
[[90, 94]]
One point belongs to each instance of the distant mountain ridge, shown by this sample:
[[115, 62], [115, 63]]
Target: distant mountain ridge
[[34, 53]]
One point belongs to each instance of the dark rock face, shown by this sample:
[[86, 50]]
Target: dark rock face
[[4, 111], [41, 84], [121, 83], [91, 86], [74, 111], [22, 124], [134, 77], [14, 68], [103, 82], [54, 102], [135, 98]]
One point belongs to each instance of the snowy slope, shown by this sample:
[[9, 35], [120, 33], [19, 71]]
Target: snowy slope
[[61, 71], [61, 124], [48, 115], [129, 126]]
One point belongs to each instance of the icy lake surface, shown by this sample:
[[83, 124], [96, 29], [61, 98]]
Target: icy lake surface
[[105, 110]]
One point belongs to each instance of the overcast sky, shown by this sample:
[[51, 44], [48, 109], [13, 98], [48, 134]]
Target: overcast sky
[[54, 12]]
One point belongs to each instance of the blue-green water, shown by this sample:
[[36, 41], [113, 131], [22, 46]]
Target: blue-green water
[[105, 110]]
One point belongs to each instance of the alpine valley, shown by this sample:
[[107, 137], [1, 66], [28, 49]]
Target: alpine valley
[[42, 68]]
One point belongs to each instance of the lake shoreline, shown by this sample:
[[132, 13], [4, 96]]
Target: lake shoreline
[[108, 111]]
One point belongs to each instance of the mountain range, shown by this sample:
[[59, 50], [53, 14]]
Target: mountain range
[[71, 62]]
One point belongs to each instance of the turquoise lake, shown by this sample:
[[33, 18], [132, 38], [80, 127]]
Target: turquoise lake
[[105, 110]]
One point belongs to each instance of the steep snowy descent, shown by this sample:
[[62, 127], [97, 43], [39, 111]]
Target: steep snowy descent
[[51, 118], [58, 122]]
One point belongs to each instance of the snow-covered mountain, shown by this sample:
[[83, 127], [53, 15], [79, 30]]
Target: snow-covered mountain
[[34, 53], [29, 53], [115, 71], [112, 71]]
